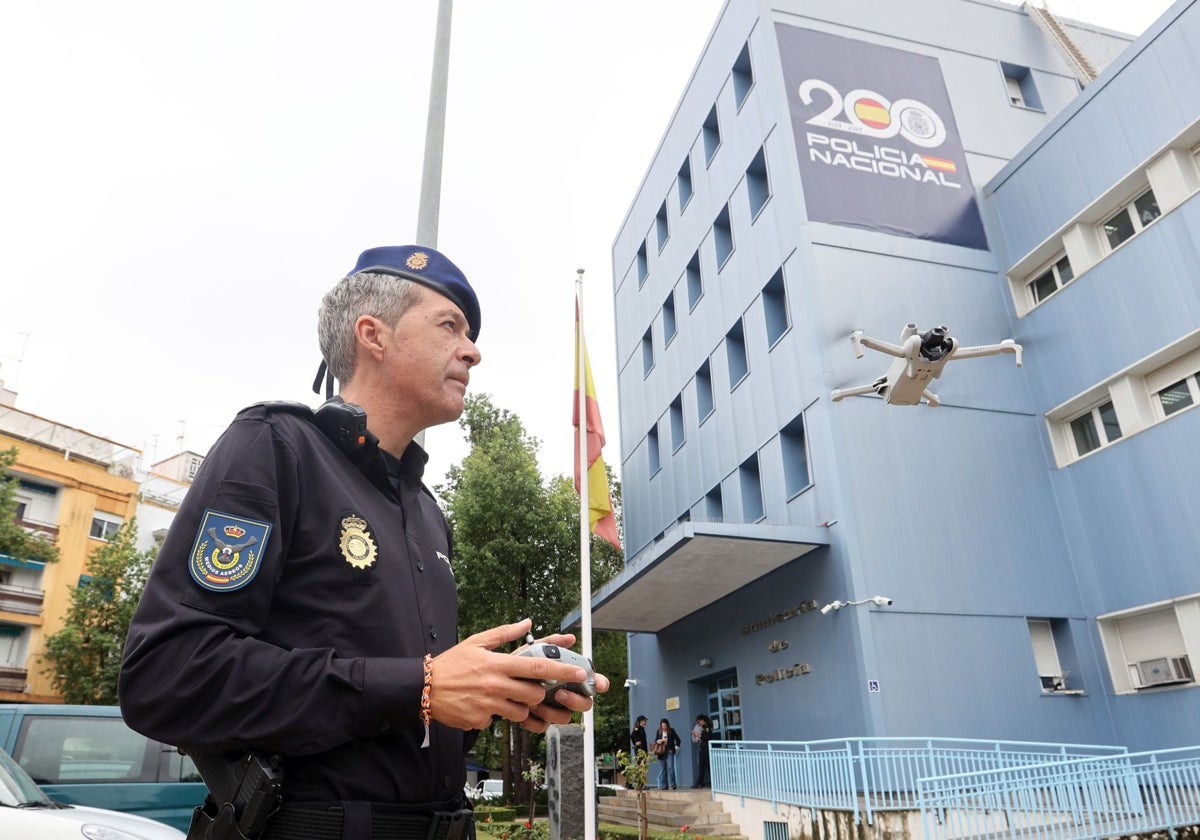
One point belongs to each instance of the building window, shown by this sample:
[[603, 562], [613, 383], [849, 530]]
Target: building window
[[704, 392], [684, 183], [1175, 385], [758, 188], [1131, 219], [794, 451], [1045, 655], [677, 434], [743, 76], [735, 353], [695, 284], [722, 237], [1180, 395], [668, 313], [775, 308], [1052, 278], [751, 486], [712, 135], [662, 226], [643, 267], [1155, 389], [1146, 649], [104, 526], [652, 451], [648, 352], [1095, 428], [714, 508], [1018, 82]]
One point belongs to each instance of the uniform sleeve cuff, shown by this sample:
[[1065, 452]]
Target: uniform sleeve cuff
[[391, 694]]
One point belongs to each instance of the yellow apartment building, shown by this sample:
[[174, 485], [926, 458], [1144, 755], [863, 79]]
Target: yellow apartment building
[[77, 488]]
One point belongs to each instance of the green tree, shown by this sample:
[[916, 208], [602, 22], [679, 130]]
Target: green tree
[[15, 541], [516, 554], [84, 657]]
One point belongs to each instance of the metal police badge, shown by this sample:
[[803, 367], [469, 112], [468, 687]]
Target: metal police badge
[[417, 261], [227, 551], [356, 543]]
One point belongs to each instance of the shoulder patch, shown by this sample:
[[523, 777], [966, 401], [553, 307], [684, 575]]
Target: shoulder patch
[[227, 551]]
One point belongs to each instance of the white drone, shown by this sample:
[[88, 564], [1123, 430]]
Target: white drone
[[920, 358]]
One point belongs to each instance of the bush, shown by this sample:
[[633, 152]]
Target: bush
[[495, 813]]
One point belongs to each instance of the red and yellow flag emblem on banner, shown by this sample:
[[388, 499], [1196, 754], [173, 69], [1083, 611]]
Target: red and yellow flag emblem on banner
[[939, 163], [601, 522]]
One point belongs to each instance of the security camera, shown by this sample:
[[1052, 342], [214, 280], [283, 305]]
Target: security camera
[[880, 601], [629, 683]]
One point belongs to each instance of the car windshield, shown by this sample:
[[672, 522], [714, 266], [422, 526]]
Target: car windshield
[[17, 790]]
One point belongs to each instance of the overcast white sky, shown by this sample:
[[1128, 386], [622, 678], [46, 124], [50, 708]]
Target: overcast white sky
[[180, 182]]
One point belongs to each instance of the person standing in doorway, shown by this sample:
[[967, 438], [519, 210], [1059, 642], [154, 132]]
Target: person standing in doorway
[[701, 735]]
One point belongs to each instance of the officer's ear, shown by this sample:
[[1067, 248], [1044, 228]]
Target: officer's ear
[[371, 336]]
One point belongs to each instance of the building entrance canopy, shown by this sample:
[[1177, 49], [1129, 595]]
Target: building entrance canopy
[[698, 563]]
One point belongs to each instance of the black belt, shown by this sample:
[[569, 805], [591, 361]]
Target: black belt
[[363, 821]]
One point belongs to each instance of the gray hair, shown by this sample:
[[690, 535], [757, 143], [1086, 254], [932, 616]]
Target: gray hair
[[383, 296]]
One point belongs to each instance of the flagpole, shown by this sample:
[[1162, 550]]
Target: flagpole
[[585, 567]]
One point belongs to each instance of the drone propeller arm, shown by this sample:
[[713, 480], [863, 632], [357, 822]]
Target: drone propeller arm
[[1006, 346], [857, 339], [862, 390]]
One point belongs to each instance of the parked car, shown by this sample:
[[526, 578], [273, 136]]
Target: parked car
[[86, 755], [488, 790], [26, 811]]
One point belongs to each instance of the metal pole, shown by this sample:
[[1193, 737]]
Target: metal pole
[[435, 132], [585, 571]]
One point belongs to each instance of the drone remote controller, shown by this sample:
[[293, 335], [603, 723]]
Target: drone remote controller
[[587, 688]]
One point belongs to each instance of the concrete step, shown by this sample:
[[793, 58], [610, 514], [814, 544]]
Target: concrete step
[[670, 811], [675, 816]]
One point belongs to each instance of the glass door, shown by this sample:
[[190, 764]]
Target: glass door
[[725, 708]]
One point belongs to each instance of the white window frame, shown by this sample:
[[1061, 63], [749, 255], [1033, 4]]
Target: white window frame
[[1051, 267], [1130, 210], [107, 519], [1184, 368], [1045, 655], [1136, 638], [1097, 426]]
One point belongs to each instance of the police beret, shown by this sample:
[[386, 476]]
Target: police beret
[[428, 267]]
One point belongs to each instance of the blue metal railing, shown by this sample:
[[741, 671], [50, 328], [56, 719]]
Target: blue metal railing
[[866, 775], [1067, 800]]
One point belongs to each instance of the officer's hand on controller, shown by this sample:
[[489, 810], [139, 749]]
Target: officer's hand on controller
[[471, 682]]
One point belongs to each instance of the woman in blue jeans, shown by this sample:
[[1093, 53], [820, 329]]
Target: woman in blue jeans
[[666, 744]]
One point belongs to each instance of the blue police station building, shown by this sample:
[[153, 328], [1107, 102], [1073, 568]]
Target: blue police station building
[[1031, 543]]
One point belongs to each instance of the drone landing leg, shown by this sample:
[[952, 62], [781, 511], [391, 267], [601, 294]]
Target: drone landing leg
[[861, 390], [930, 398]]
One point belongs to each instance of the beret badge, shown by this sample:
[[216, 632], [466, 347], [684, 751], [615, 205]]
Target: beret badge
[[417, 260]]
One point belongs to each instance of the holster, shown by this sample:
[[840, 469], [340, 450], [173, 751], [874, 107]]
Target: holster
[[244, 791]]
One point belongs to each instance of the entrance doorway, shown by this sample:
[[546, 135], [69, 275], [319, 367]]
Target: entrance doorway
[[725, 707]]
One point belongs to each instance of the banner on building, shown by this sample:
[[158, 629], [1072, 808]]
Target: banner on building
[[876, 138]]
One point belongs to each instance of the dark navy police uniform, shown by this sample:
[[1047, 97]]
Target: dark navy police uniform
[[289, 611]]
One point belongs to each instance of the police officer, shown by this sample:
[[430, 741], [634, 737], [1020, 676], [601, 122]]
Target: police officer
[[303, 605]]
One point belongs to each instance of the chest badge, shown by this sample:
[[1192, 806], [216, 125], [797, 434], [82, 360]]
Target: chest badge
[[356, 543]]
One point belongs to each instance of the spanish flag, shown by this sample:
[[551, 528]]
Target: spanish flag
[[601, 522], [939, 163]]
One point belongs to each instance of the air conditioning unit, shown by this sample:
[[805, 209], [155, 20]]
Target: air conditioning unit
[[1163, 671]]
